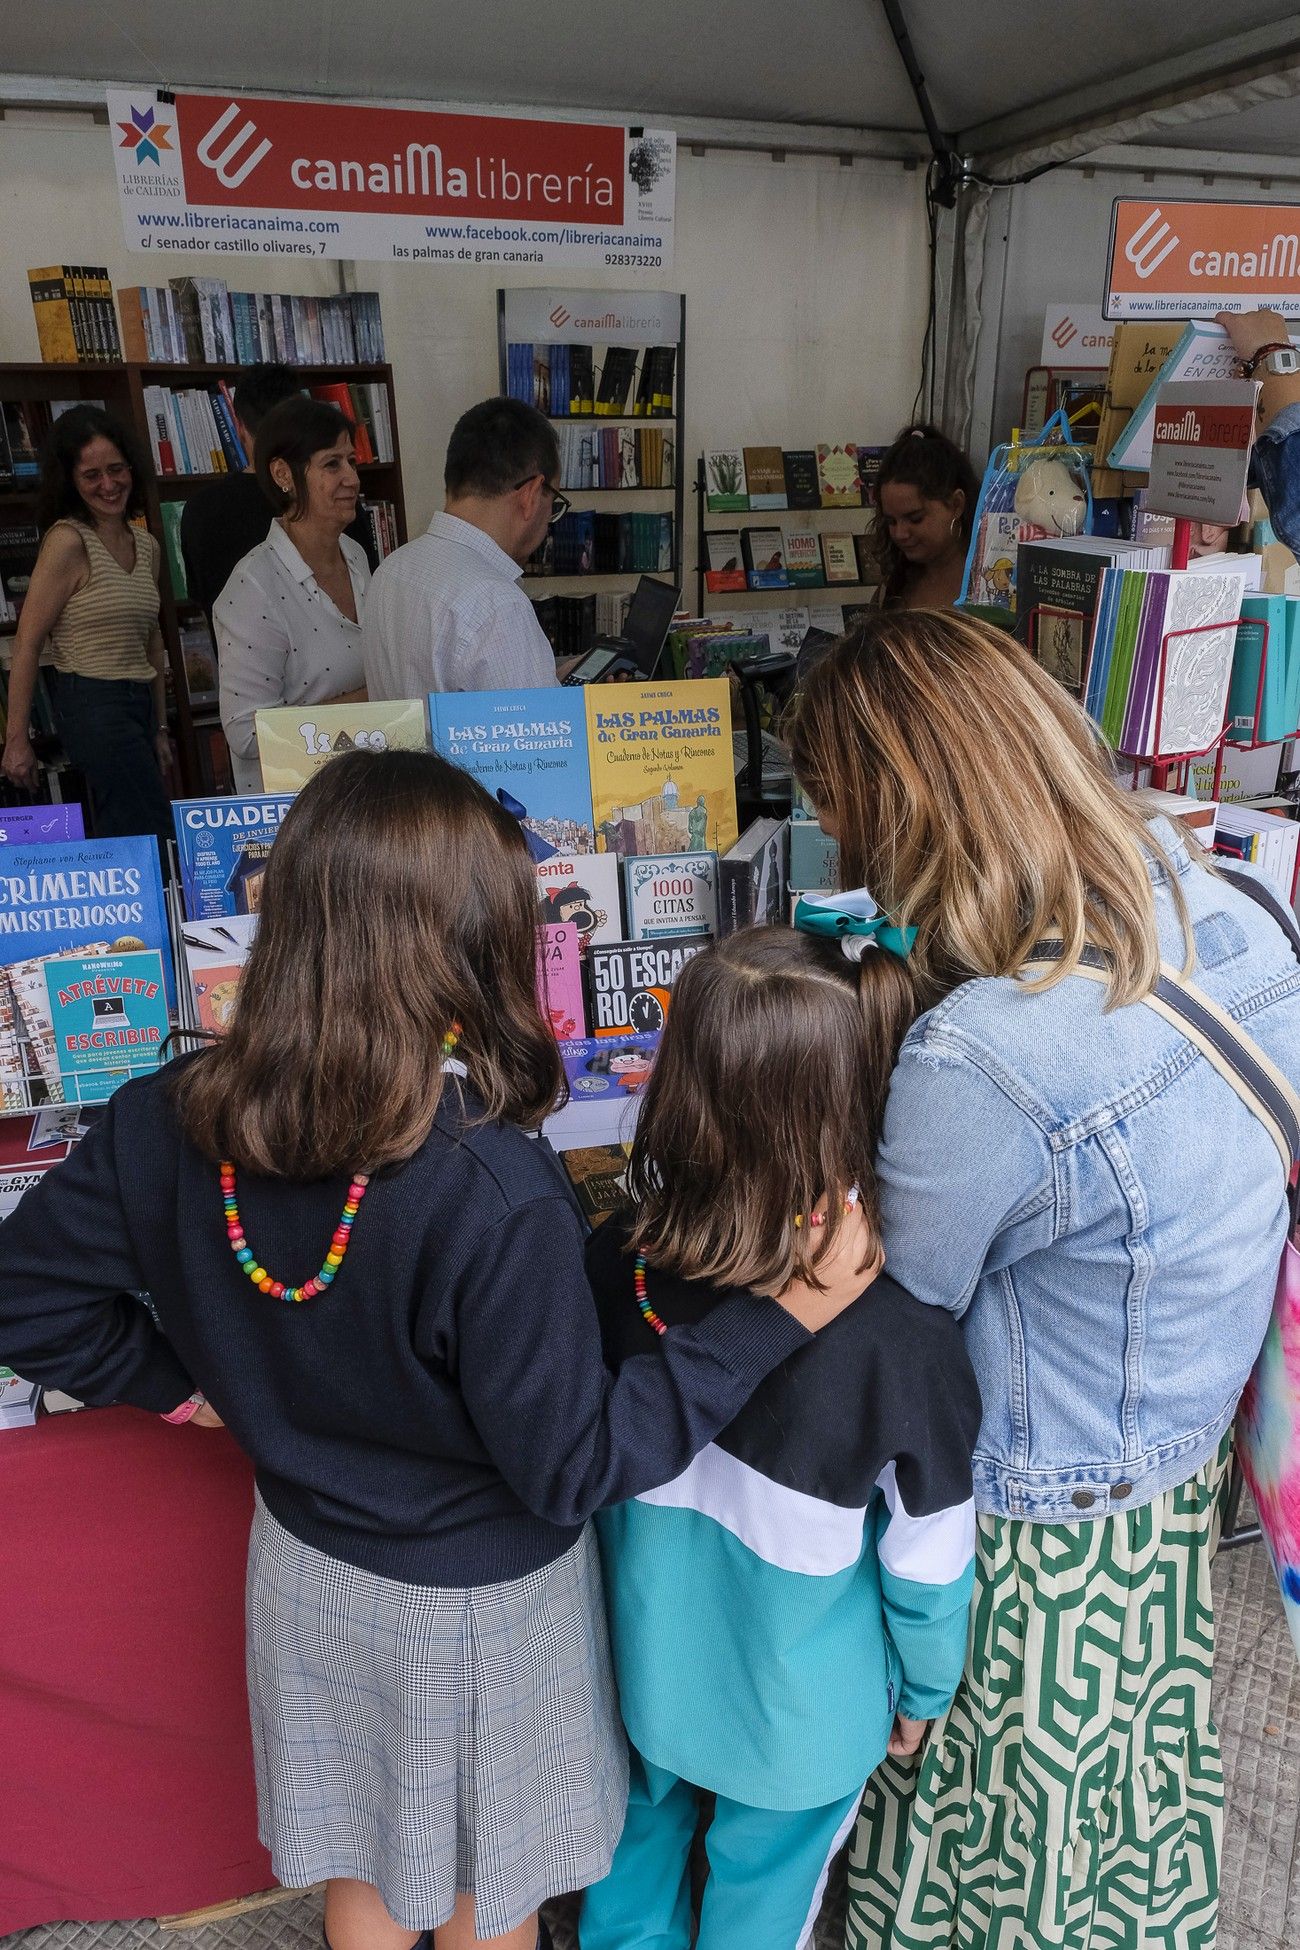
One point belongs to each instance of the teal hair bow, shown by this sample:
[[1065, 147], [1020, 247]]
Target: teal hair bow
[[852, 918]]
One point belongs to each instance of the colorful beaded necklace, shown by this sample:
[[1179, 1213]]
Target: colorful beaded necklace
[[322, 1281]]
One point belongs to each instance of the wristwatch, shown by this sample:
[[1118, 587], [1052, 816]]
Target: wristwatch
[[1279, 359]]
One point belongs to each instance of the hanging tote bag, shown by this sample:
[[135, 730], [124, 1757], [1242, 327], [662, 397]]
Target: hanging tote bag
[[1033, 489], [1268, 1417]]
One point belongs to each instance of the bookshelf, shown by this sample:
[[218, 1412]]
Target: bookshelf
[[122, 387], [817, 521], [639, 320]]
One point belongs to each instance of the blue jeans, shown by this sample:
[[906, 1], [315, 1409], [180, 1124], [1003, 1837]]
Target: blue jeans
[[107, 729]]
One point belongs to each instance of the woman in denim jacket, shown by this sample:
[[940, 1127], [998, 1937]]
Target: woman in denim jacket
[[1066, 1172]]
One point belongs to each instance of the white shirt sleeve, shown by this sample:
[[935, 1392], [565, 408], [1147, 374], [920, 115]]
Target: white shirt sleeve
[[252, 651]]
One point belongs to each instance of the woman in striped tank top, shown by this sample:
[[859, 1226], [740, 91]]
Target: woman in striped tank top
[[92, 613]]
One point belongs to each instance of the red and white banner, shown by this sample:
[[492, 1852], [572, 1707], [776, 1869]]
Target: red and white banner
[[1200, 449], [255, 175]]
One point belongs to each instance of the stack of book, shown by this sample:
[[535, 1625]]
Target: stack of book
[[366, 406], [570, 381], [75, 320], [1161, 659], [615, 457], [583, 543], [19, 545], [199, 321], [1055, 591], [382, 518], [192, 430], [1264, 696], [739, 480], [1268, 840], [779, 558]]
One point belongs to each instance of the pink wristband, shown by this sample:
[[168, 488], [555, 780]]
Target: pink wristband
[[186, 1410]]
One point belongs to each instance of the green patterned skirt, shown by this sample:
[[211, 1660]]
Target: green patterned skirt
[[1072, 1797]]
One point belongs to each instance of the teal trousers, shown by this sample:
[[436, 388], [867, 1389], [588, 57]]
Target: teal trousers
[[767, 1871]]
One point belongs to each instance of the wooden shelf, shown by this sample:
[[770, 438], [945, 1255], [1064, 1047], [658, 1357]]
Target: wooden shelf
[[170, 486], [771, 517], [794, 592], [119, 368]]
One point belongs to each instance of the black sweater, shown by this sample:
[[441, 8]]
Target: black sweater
[[442, 1414]]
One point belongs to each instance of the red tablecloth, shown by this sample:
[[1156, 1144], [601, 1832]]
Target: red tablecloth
[[126, 1773]]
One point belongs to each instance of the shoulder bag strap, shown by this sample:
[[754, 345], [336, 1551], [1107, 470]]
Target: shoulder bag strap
[[1246, 883], [1237, 1058]]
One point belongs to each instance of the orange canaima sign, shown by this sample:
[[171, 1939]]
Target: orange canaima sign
[[1189, 260]]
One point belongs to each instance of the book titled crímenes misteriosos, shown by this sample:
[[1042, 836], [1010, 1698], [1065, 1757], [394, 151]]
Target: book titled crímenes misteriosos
[[662, 766]]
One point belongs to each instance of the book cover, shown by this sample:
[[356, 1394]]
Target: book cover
[[632, 981], [870, 460], [108, 1014], [559, 980], [662, 766], [1056, 600], [221, 847], [670, 894], [20, 825], [993, 560], [803, 559], [814, 859], [802, 486], [216, 954], [295, 740], [61, 898], [725, 567], [528, 748], [604, 1074], [765, 477], [598, 1175], [1203, 352], [839, 558], [764, 558], [753, 877], [837, 476], [724, 479], [581, 889]]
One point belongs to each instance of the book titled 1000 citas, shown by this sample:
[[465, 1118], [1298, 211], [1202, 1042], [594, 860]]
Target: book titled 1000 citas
[[662, 768], [295, 740]]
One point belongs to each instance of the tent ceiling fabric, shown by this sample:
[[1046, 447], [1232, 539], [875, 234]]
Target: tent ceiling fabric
[[832, 63]]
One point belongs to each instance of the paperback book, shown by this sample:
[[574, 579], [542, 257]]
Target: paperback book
[[559, 980], [222, 847], [581, 889], [725, 567], [724, 482], [598, 1174], [1058, 583], [662, 767], [764, 558], [839, 558], [838, 482], [216, 954], [528, 748], [632, 982], [1204, 352], [765, 477], [605, 1076], [65, 896], [295, 740], [671, 894], [1145, 619], [109, 1020], [40, 825], [802, 488], [803, 559], [753, 877]]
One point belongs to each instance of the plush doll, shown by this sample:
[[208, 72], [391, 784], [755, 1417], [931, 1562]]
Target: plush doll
[[1050, 499]]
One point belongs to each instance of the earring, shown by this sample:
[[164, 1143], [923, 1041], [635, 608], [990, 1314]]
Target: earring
[[954, 525]]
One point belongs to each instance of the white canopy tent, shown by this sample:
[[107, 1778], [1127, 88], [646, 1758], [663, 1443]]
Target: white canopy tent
[[1121, 87]]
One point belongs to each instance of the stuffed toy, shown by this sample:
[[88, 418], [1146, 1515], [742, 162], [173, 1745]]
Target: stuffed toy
[[1050, 498]]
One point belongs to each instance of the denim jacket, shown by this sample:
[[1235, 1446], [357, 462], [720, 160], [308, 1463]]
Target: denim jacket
[[1276, 473], [1099, 1207]]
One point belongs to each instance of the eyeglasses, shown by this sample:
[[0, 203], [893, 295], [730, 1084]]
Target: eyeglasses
[[560, 504]]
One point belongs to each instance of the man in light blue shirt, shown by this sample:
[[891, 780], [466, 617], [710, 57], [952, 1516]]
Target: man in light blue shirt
[[446, 612]]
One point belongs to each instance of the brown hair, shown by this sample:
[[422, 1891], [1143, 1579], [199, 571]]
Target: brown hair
[[924, 458], [398, 899], [971, 795], [292, 432], [768, 1093]]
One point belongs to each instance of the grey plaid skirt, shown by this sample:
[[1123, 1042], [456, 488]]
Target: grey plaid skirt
[[432, 1740]]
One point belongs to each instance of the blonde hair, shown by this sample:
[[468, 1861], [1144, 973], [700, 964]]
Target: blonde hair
[[972, 796]]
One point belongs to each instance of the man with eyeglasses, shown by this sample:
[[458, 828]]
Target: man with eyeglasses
[[446, 612]]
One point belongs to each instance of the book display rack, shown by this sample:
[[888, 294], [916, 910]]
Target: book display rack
[[779, 525]]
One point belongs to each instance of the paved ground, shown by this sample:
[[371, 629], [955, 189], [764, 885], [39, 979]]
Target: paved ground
[[1258, 1710]]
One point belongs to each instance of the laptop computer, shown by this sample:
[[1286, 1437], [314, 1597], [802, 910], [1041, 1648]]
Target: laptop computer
[[645, 630]]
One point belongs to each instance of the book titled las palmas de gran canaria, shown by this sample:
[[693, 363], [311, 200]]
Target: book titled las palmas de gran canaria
[[528, 748]]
